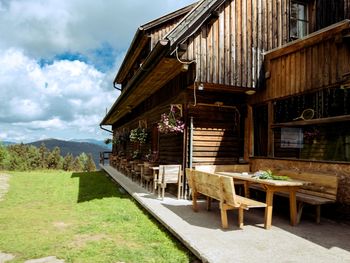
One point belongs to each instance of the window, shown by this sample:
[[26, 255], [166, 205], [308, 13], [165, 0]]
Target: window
[[299, 22], [323, 135]]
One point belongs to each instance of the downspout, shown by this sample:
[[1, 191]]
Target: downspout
[[105, 129], [117, 88], [191, 142]]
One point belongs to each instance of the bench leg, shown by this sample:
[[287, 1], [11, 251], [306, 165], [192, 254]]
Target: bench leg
[[223, 217], [208, 203], [194, 201], [240, 217], [318, 214], [300, 211]]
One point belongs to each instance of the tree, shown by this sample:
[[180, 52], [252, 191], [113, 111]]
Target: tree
[[53, 159], [68, 162], [78, 165], [3, 156], [90, 164], [43, 156], [33, 160], [18, 157]]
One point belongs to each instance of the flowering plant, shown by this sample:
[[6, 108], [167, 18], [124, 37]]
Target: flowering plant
[[169, 123], [138, 135], [311, 134]]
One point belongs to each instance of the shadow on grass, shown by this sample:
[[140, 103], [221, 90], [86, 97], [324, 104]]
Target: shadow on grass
[[95, 185]]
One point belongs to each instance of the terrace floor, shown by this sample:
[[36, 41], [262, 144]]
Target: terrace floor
[[202, 233]]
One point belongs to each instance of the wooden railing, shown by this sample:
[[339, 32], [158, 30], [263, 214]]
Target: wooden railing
[[104, 156]]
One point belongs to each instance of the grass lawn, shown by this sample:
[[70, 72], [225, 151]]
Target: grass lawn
[[80, 217]]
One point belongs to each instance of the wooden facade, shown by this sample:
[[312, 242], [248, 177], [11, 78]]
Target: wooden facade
[[235, 47]]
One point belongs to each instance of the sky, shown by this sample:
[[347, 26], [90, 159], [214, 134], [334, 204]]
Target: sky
[[58, 59]]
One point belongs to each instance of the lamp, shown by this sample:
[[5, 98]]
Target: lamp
[[201, 86], [250, 92], [184, 67]]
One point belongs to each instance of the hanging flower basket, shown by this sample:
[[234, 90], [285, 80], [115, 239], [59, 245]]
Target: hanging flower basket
[[169, 123], [138, 135]]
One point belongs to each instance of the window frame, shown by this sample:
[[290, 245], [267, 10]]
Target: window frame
[[306, 21]]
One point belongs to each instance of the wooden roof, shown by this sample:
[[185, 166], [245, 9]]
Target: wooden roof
[[158, 68], [140, 40]]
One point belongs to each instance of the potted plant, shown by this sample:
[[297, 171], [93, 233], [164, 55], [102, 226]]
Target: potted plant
[[138, 135], [169, 123]]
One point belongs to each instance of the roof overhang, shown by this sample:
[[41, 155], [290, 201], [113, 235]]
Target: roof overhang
[[141, 39], [163, 72]]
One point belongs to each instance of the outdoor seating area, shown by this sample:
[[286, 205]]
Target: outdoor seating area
[[151, 176], [231, 185]]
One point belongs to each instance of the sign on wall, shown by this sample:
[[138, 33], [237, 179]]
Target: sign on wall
[[292, 138]]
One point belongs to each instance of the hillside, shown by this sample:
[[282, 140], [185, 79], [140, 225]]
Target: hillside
[[75, 148]]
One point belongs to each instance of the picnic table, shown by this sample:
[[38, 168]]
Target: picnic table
[[272, 186]]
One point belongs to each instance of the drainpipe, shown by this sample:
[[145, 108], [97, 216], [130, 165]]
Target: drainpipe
[[105, 129], [117, 88], [191, 142]]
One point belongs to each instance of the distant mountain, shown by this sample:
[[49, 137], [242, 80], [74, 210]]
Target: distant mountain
[[93, 141], [6, 143], [75, 148]]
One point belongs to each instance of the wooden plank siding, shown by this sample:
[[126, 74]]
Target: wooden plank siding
[[158, 33], [217, 136], [314, 65], [229, 50]]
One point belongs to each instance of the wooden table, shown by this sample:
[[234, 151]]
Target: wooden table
[[272, 186]]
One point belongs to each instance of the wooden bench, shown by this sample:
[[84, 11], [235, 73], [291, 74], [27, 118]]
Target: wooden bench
[[227, 168], [222, 189], [322, 189]]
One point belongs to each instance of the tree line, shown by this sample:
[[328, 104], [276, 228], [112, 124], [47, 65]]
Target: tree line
[[23, 157]]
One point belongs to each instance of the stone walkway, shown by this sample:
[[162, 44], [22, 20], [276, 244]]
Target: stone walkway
[[202, 233], [6, 257]]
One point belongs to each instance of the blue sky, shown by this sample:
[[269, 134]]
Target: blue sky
[[58, 59]]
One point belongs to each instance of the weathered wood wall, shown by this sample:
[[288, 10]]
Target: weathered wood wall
[[229, 50], [319, 62], [159, 32], [217, 135], [330, 12]]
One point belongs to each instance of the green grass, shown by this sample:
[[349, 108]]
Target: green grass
[[80, 217]]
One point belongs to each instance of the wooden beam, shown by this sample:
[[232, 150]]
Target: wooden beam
[[309, 40]]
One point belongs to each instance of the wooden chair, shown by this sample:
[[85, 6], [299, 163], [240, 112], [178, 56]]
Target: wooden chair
[[136, 171], [169, 174], [146, 175]]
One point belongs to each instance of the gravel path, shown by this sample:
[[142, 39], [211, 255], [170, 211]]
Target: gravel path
[[4, 185]]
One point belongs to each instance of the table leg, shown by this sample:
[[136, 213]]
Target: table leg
[[268, 209], [293, 207], [246, 189]]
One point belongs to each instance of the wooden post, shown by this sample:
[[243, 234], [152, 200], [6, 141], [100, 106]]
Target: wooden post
[[270, 138], [248, 134]]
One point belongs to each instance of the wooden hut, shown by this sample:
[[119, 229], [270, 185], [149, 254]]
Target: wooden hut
[[245, 78]]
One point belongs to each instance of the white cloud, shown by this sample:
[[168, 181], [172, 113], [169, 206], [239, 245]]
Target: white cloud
[[65, 99], [64, 95], [48, 27]]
